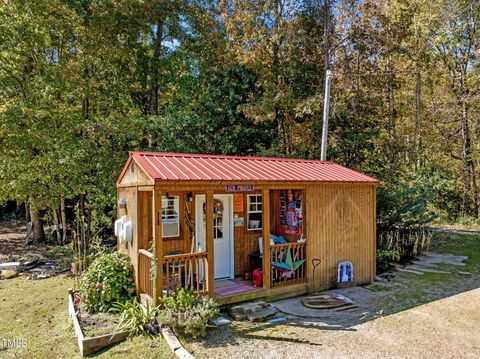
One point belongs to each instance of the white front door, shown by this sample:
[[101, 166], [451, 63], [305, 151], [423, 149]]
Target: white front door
[[222, 232]]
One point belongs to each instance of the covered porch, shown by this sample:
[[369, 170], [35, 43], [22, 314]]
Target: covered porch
[[215, 242]]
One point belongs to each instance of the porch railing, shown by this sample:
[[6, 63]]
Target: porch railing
[[144, 280], [278, 254], [185, 270]]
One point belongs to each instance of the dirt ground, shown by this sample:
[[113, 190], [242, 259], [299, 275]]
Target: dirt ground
[[12, 244], [433, 315]]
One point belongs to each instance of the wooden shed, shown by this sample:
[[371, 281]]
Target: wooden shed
[[240, 228]]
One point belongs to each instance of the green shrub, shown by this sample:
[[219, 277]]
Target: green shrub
[[186, 313], [181, 301], [468, 221], [385, 258], [136, 319], [108, 279]]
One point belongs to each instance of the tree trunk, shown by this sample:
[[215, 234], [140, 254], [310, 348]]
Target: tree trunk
[[27, 212], [88, 234], [157, 48], [418, 124], [57, 224], [326, 33], [391, 100], [63, 217], [468, 161], [38, 234], [83, 245], [279, 115]]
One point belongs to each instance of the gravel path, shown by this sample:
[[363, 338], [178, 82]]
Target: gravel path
[[447, 328]]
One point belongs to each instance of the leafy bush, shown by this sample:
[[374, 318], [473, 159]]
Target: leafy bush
[[187, 313], [109, 279], [181, 301], [136, 319], [385, 258]]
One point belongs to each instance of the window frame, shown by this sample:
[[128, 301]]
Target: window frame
[[165, 200], [248, 211]]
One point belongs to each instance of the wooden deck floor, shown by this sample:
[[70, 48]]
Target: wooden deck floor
[[250, 293], [261, 293], [229, 287]]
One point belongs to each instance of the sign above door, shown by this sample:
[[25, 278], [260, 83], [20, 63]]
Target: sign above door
[[239, 188]]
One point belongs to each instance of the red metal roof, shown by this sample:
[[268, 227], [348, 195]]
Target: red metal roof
[[193, 167]]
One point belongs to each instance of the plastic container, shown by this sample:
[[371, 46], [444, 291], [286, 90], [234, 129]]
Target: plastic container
[[257, 277]]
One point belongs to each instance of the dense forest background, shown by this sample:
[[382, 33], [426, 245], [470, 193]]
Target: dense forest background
[[82, 82]]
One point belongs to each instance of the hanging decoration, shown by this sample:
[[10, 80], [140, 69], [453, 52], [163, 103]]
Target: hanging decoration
[[291, 212]]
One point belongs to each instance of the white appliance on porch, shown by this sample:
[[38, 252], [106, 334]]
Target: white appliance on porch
[[222, 232]]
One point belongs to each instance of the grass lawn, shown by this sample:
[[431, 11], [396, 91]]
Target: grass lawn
[[37, 311]]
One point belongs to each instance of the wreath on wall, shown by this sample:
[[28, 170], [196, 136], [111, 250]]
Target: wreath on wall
[[217, 208]]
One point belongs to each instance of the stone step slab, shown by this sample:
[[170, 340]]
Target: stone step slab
[[262, 315], [247, 308]]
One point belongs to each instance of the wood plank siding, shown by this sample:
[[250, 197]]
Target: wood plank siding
[[340, 226]]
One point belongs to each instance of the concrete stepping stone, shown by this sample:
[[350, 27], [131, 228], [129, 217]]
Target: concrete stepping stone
[[429, 258], [410, 271], [240, 312], [246, 308], [426, 269], [262, 315]]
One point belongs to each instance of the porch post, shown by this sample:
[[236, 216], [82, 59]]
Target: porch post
[[210, 243], [138, 223], [266, 237], [158, 242]]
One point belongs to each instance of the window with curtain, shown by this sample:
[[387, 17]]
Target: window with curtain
[[170, 216]]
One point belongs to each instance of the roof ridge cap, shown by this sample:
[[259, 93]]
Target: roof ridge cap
[[233, 157]]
